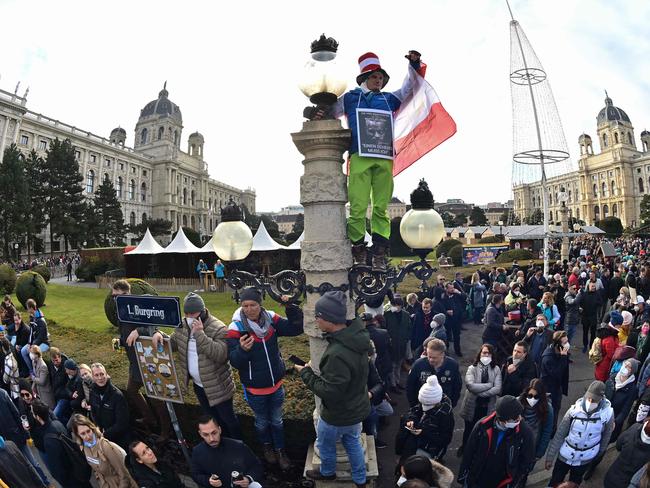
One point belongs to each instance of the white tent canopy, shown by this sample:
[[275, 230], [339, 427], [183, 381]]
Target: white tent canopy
[[208, 246], [181, 244], [297, 243], [148, 245], [262, 241]]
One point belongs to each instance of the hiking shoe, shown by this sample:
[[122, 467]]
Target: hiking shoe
[[359, 253], [283, 460], [315, 474], [269, 454]]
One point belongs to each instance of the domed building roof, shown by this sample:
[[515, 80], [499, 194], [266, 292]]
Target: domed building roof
[[118, 130], [196, 135], [645, 133], [162, 107], [611, 113], [584, 137]]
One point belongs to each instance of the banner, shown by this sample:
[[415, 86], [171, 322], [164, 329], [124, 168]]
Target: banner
[[473, 255]]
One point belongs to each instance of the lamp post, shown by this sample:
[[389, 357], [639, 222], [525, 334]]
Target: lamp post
[[16, 247], [500, 229], [563, 198]]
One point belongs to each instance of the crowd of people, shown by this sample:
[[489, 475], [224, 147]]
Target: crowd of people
[[509, 398]]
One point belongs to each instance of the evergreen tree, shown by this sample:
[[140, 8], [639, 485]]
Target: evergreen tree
[[460, 220], [477, 216], [109, 221], [297, 229], [448, 219], [63, 194], [157, 227], [645, 210], [34, 168], [192, 236], [536, 218], [13, 214]]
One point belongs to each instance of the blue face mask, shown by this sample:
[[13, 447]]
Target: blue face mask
[[92, 443]]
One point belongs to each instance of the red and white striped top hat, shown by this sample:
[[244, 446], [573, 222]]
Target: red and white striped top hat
[[368, 64]]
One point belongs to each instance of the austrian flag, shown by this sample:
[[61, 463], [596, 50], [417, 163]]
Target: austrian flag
[[421, 123]]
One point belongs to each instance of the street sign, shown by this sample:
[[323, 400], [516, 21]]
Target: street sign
[[147, 310]]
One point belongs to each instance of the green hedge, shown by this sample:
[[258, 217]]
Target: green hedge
[[445, 246], [44, 271], [31, 285], [94, 266], [456, 255], [7, 279], [490, 240], [138, 287], [518, 254]]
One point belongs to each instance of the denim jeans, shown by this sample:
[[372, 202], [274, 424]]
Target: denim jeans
[[24, 352], [62, 411], [326, 437], [371, 422], [27, 452], [223, 413], [571, 331], [268, 417]]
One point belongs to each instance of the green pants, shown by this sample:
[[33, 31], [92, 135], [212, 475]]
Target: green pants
[[370, 180]]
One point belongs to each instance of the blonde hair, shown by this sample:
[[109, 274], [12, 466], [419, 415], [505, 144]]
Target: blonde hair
[[548, 296], [79, 420], [86, 367], [476, 278], [36, 350]]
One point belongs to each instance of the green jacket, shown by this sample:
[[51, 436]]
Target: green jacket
[[342, 385]]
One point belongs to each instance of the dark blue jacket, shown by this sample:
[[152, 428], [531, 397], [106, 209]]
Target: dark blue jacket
[[448, 377], [494, 321], [420, 330], [262, 368], [10, 425], [381, 340], [231, 455], [554, 371]]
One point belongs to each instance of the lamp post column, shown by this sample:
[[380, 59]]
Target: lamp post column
[[564, 252], [325, 250]]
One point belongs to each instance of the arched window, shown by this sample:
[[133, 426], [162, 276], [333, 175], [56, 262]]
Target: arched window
[[640, 185], [578, 213], [604, 140], [209, 203], [144, 218], [90, 181], [595, 190], [614, 210], [210, 229], [184, 220], [612, 185], [629, 137], [176, 137], [192, 199], [604, 189], [132, 190], [161, 131], [192, 222], [119, 187], [596, 212], [605, 211], [184, 196], [143, 192], [615, 137], [557, 216], [132, 219], [143, 136], [569, 196]]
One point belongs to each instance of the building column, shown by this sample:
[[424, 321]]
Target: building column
[[5, 127]]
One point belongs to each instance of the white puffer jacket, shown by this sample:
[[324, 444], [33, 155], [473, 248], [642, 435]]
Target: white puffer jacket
[[587, 432]]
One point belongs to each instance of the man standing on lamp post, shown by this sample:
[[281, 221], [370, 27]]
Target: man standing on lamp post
[[369, 112], [345, 399]]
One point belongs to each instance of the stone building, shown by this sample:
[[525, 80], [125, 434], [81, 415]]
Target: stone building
[[155, 179], [611, 182]]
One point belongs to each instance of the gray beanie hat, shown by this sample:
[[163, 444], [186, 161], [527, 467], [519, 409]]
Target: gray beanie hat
[[332, 306], [250, 293], [439, 319], [193, 303], [597, 390]]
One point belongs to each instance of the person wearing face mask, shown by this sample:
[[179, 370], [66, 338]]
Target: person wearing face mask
[[538, 414], [499, 450], [518, 370], [582, 436], [398, 325], [105, 458], [634, 448], [622, 392], [427, 472], [608, 335], [438, 330], [483, 385], [203, 358], [538, 338], [554, 370]]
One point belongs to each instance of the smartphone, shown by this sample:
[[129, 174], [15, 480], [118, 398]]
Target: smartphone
[[245, 335], [296, 360]]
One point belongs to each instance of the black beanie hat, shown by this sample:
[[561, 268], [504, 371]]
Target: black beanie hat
[[332, 306], [508, 408], [250, 293]]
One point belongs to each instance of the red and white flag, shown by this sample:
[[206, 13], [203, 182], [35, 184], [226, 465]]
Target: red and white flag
[[421, 123]]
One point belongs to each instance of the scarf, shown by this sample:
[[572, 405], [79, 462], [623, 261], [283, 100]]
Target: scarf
[[620, 384], [261, 329]]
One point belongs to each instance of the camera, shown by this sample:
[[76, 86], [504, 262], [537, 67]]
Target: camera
[[236, 476]]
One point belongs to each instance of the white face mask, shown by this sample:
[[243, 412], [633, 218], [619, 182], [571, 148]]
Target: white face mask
[[511, 425], [540, 323], [590, 406], [566, 346], [645, 438], [624, 371], [486, 360], [401, 480], [394, 309], [189, 320], [532, 401]]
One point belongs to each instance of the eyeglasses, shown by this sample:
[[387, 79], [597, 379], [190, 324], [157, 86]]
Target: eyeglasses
[[318, 315], [530, 395], [25, 395]]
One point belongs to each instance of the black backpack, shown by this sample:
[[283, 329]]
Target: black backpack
[[78, 467]]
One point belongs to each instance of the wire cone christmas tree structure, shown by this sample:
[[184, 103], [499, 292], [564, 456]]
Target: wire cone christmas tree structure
[[539, 150]]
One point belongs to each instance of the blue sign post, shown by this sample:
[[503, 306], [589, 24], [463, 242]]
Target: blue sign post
[[147, 310]]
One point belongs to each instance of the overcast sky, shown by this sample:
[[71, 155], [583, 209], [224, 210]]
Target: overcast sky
[[233, 68]]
